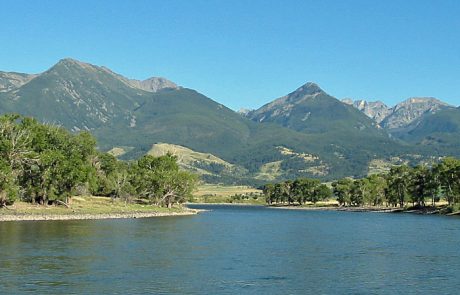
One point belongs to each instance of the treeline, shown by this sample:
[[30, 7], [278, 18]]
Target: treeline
[[402, 185], [46, 164], [299, 191]]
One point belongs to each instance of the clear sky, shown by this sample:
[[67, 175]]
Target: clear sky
[[246, 53]]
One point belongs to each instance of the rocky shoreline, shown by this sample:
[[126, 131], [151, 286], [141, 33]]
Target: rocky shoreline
[[50, 217]]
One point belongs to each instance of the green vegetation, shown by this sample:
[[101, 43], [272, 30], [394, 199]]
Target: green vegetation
[[402, 186], [45, 164], [310, 134], [300, 191]]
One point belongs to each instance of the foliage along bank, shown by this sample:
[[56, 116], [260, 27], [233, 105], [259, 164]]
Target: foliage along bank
[[401, 186], [46, 164]]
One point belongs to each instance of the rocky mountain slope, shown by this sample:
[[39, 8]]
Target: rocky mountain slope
[[10, 81], [78, 96], [410, 110], [310, 110], [402, 115], [439, 130], [123, 115], [375, 110], [305, 133]]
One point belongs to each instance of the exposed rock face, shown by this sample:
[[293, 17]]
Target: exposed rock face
[[412, 109], [283, 106], [153, 84], [244, 112], [376, 110], [77, 95], [322, 135], [10, 81], [310, 110], [401, 115]]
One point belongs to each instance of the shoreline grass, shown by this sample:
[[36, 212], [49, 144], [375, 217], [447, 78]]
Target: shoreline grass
[[89, 207]]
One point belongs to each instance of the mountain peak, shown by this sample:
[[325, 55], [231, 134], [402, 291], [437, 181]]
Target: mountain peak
[[66, 66], [422, 100], [154, 84], [376, 110], [412, 109], [70, 63], [308, 88], [68, 60]]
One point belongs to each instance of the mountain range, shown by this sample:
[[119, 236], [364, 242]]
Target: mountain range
[[417, 120], [305, 133]]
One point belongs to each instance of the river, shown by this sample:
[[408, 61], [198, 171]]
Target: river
[[234, 250]]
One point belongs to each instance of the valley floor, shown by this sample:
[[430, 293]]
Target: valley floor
[[227, 194]]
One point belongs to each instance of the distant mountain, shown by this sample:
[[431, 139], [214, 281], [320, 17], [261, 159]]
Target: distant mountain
[[154, 84], [76, 95], [10, 80], [428, 124], [123, 115], [79, 96], [306, 133], [410, 110], [244, 112], [375, 110], [311, 110], [439, 130], [338, 132], [401, 115]]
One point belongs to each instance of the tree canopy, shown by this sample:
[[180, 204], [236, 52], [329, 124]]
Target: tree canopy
[[401, 186], [45, 164]]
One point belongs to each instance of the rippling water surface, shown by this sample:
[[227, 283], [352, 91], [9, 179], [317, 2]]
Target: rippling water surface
[[234, 250]]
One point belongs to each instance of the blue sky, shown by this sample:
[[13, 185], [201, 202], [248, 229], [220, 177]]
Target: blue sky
[[246, 53]]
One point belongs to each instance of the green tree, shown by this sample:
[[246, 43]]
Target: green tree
[[377, 187], [320, 193], [398, 185], [268, 191], [419, 185], [448, 174], [159, 180], [342, 190], [304, 190], [9, 189]]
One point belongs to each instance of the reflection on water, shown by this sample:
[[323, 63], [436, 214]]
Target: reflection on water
[[234, 250]]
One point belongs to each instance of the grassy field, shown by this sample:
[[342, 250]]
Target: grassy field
[[85, 205], [210, 193]]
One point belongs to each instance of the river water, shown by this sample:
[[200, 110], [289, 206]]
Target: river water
[[234, 250]]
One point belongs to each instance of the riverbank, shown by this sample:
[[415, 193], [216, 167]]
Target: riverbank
[[440, 210], [84, 208], [226, 204], [336, 208]]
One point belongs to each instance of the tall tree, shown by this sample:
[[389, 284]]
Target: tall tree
[[448, 172], [159, 180], [398, 185], [342, 190]]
